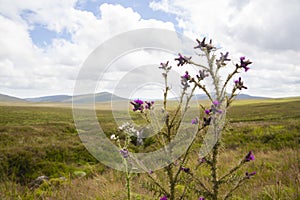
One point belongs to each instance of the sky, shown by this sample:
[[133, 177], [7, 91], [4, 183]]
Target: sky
[[45, 43]]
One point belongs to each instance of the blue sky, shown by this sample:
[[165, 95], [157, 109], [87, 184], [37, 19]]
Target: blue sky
[[42, 36], [44, 43]]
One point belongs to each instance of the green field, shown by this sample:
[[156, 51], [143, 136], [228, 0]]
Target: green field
[[41, 139]]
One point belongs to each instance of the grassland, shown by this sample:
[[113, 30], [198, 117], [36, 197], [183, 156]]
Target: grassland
[[41, 139]]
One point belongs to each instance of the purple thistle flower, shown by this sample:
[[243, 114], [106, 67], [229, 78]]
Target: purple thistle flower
[[149, 104], [216, 102], [223, 58], [214, 108], [186, 76], [244, 63], [239, 84], [164, 198], [248, 175], [195, 121], [207, 111], [185, 169], [137, 105], [201, 198], [138, 101], [184, 80], [164, 65], [182, 60], [202, 44], [249, 157], [124, 153]]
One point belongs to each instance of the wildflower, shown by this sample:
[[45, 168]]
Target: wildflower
[[184, 80], [223, 58], [185, 169], [186, 76], [113, 137], [149, 104], [216, 102], [201, 75], [244, 63], [138, 105], [203, 45], [207, 111], [164, 198], [248, 175], [214, 108], [200, 44], [201, 198], [206, 121], [195, 121], [239, 84], [150, 171], [182, 60], [165, 66], [249, 157], [125, 153]]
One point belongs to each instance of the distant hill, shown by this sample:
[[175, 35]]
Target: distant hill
[[99, 97], [246, 96], [7, 98], [239, 96], [55, 98]]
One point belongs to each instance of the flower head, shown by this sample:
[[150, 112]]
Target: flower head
[[248, 175], [137, 105], [244, 63], [149, 105], [185, 169], [214, 108], [222, 59], [203, 45], [125, 153], [216, 102], [201, 198], [165, 66], [186, 76], [239, 84], [195, 121], [202, 74], [182, 60], [164, 198], [185, 79], [206, 121], [249, 157]]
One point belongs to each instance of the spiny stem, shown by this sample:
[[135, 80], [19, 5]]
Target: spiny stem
[[214, 172], [127, 179], [231, 171]]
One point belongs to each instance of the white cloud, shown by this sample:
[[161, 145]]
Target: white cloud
[[266, 32], [30, 70]]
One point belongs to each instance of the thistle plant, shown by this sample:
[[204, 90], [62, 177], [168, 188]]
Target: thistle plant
[[123, 145], [179, 179]]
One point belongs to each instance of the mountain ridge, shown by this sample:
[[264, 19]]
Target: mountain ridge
[[99, 97]]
